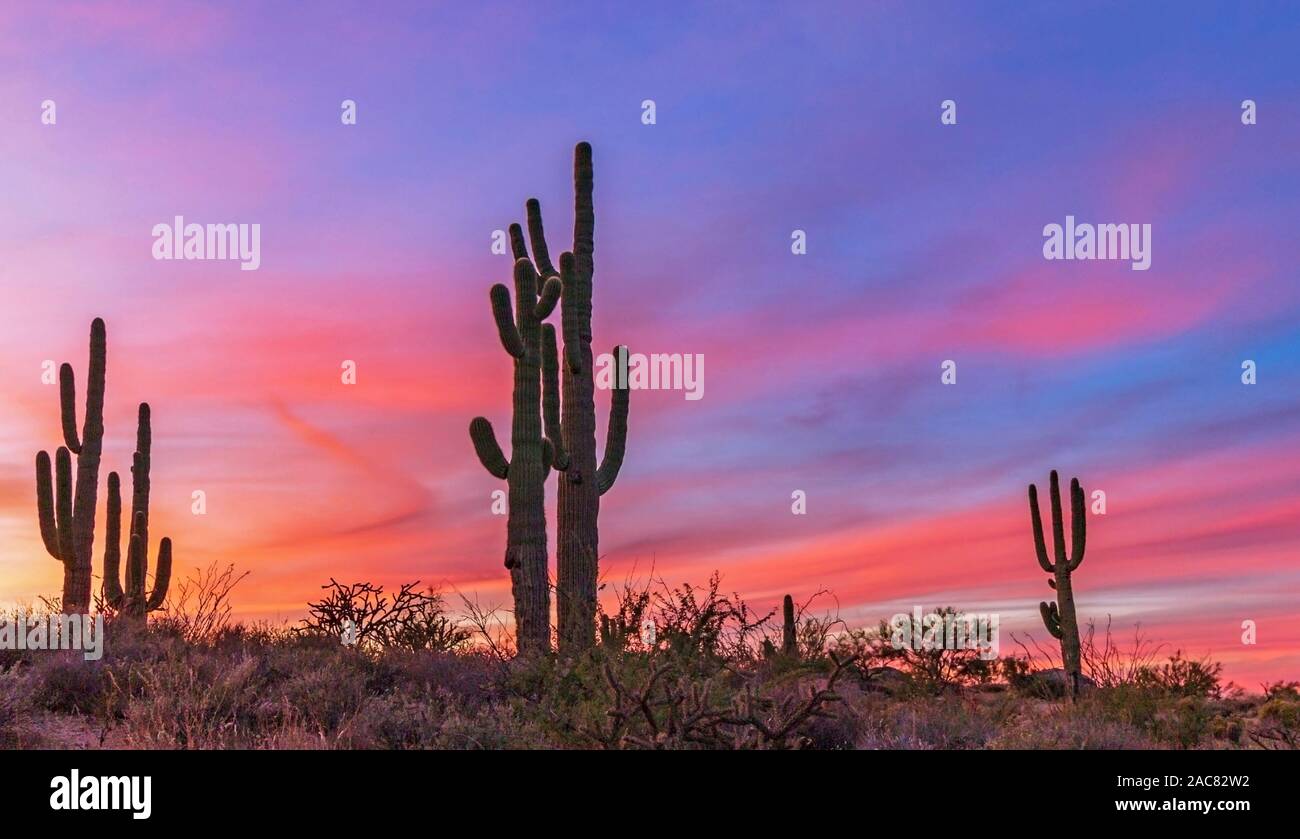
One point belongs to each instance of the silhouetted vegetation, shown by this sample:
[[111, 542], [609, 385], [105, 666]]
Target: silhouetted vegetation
[[420, 677]]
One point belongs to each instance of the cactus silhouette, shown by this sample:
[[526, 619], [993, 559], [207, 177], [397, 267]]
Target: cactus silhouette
[[1059, 617], [532, 345], [789, 638], [67, 518], [132, 602], [583, 482]]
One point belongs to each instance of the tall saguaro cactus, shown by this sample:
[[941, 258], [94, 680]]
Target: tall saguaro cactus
[[583, 483], [132, 602], [1059, 616], [532, 346], [67, 518]]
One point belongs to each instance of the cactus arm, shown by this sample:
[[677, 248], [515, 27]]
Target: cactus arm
[[140, 463], [518, 247], [45, 506], [162, 575], [570, 318], [548, 458], [68, 408], [1051, 618], [503, 314], [93, 427], [63, 502], [537, 237], [143, 430], [1078, 523], [1040, 546], [526, 285], [486, 447], [551, 397], [1058, 522], [584, 214], [135, 561], [615, 435], [550, 295], [113, 543]]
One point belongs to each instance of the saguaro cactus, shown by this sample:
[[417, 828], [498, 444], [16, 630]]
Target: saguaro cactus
[[1059, 616], [132, 603], [583, 483], [532, 346], [789, 637], [67, 520]]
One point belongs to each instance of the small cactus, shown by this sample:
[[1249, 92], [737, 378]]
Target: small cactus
[[1059, 616], [789, 634], [132, 602]]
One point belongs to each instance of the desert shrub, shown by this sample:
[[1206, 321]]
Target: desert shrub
[[1069, 727], [843, 726], [1183, 677], [66, 683], [1289, 691], [198, 608], [933, 669], [703, 682], [326, 690], [1109, 664], [1228, 728], [1129, 704], [410, 619], [421, 679], [1278, 724], [817, 629], [1169, 716], [620, 628], [434, 718], [698, 622], [673, 698], [200, 702], [1018, 673], [946, 721], [15, 703], [259, 687], [470, 677], [1183, 722]]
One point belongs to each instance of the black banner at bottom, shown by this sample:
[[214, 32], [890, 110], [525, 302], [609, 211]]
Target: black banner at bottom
[[332, 788]]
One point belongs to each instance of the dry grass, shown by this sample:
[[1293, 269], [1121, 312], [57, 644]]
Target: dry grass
[[191, 681]]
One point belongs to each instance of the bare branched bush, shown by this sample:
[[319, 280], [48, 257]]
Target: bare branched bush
[[199, 608], [421, 624], [701, 620], [689, 620], [410, 619], [1110, 666], [815, 628], [670, 710], [486, 624]]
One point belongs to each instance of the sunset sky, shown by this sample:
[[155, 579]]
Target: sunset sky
[[823, 370]]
